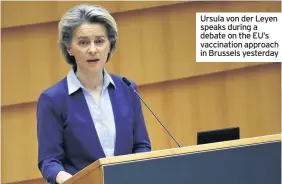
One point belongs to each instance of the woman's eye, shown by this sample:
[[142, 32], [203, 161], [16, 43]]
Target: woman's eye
[[101, 41], [82, 42]]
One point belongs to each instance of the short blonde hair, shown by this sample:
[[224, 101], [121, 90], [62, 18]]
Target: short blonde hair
[[85, 14]]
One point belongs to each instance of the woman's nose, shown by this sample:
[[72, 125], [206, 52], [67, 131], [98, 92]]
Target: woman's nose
[[92, 49]]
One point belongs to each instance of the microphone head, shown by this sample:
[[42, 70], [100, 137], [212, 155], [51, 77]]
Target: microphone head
[[126, 81]]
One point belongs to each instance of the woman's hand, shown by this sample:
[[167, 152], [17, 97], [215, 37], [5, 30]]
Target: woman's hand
[[63, 176]]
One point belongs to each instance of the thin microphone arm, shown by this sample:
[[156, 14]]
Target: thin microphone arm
[[129, 84]]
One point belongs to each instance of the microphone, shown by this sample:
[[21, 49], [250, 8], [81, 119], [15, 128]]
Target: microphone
[[126, 81]]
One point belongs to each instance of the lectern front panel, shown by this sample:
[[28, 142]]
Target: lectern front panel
[[251, 164]]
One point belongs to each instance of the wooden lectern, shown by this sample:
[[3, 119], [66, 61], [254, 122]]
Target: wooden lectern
[[246, 161]]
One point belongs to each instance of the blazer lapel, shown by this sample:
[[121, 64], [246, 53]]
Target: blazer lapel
[[81, 114], [115, 99]]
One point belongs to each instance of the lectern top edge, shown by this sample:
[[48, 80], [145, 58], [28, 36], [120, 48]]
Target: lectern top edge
[[187, 149]]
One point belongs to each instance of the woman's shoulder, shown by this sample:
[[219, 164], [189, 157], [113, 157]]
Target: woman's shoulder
[[118, 79], [56, 91]]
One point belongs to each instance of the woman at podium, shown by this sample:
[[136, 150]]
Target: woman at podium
[[90, 113]]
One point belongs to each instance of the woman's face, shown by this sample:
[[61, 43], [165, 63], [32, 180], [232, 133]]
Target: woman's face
[[90, 47]]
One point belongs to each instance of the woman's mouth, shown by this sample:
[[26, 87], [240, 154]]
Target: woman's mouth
[[92, 60]]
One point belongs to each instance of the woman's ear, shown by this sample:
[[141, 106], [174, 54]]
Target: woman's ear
[[69, 50]]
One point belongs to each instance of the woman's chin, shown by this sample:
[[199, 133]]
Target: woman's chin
[[94, 68]]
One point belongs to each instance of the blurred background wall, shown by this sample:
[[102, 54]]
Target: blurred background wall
[[156, 48]]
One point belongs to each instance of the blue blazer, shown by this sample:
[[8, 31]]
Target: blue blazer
[[67, 138]]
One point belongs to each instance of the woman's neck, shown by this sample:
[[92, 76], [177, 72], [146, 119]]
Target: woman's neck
[[91, 82]]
